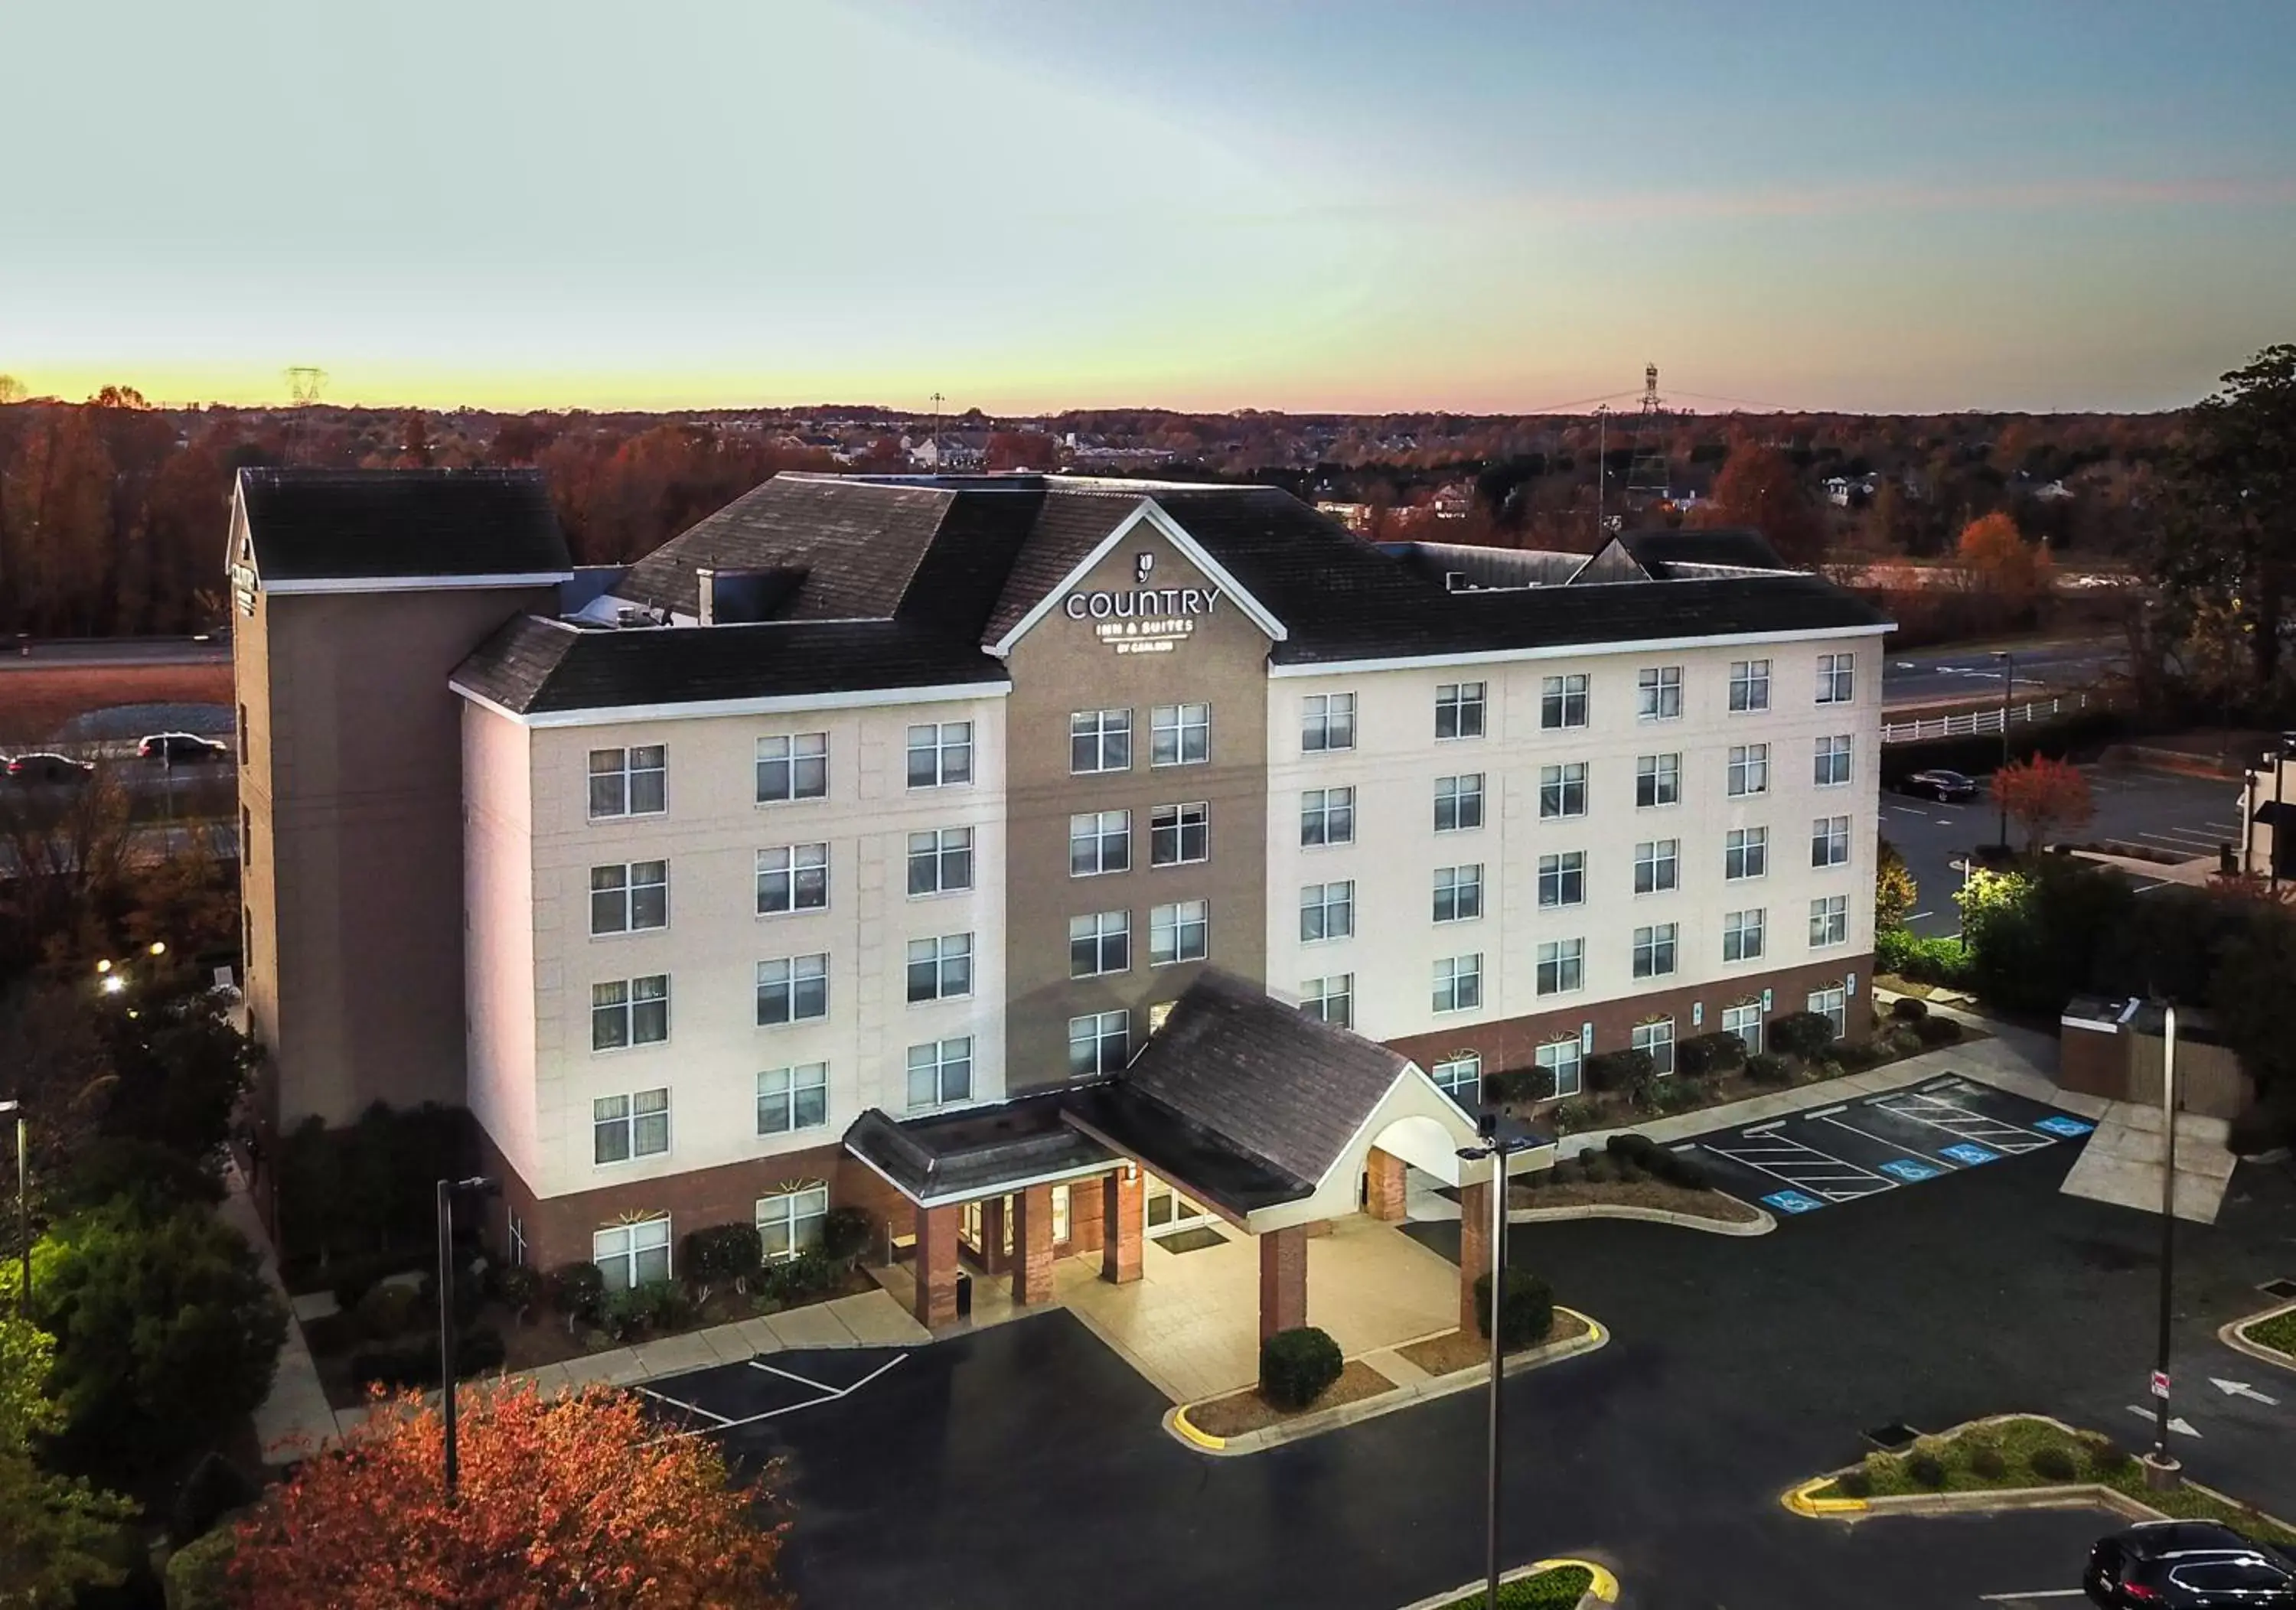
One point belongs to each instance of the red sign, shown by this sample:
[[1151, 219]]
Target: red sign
[[2160, 1383]]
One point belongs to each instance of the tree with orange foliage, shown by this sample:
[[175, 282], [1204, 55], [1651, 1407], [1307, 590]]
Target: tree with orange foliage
[[572, 1500], [1997, 560], [1758, 486], [2042, 795]]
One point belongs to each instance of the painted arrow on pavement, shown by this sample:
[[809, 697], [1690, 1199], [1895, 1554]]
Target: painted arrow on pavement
[[2180, 1426], [2240, 1389]]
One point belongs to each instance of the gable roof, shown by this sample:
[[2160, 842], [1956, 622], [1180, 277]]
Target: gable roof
[[408, 526], [1740, 546]]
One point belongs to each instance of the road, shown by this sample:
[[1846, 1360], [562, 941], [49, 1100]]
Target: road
[[1938, 676], [47, 653]]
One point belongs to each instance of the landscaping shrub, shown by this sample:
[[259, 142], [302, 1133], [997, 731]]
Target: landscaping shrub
[[1677, 1096], [1768, 1068], [517, 1287], [846, 1233], [352, 1276], [1569, 1171], [1854, 1484], [199, 1572], [155, 1177], [1633, 1145], [331, 1334], [622, 1314], [1704, 1055], [1920, 961], [1804, 1034], [1902, 1041], [470, 1296], [576, 1289], [1988, 1462], [1569, 1117], [1682, 1169], [1938, 1031], [810, 1274], [723, 1253], [214, 1489], [1858, 1055], [664, 1305], [2254, 1131], [1598, 1168], [1926, 1469], [1522, 1085], [1909, 1009], [1526, 1311], [478, 1349], [1629, 1073], [2105, 1457], [1298, 1366], [2053, 1463], [416, 1362]]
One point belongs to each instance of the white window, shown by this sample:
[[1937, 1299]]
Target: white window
[[1831, 768], [1331, 998], [1746, 1023], [1560, 1058], [1836, 678], [940, 1071], [940, 860], [794, 878], [941, 968], [1060, 1214], [792, 1097], [1100, 943], [1327, 911], [1179, 932], [1179, 735], [792, 989], [1458, 893], [1657, 1040], [792, 766], [1459, 803], [1179, 834], [1654, 949], [1741, 936], [1327, 816], [1829, 920], [1563, 879], [1749, 769], [1459, 710], [1749, 684], [1327, 721], [1658, 693], [1658, 866], [1746, 852], [1459, 983], [1562, 791], [1658, 780], [516, 1226], [629, 897], [1100, 740], [790, 1222], [1461, 1078], [1562, 702], [940, 754], [1099, 1043], [629, 782], [1562, 966], [1829, 842], [622, 1127], [1833, 1006], [630, 1256], [629, 1011], [1100, 841]]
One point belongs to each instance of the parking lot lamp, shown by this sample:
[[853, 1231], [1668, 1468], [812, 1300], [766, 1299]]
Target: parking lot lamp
[[2279, 805], [23, 1206], [2008, 689], [1499, 1142], [2247, 821], [477, 1185], [2161, 1469]]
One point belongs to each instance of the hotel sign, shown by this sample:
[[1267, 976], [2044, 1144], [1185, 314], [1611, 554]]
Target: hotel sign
[[1143, 619]]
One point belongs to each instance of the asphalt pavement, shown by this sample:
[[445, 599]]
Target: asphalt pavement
[[1025, 1464], [35, 653], [1932, 677]]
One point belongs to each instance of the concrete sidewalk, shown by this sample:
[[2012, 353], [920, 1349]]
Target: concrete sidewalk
[[294, 1420]]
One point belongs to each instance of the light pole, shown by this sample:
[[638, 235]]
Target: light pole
[[23, 1206], [2008, 688], [2279, 807], [477, 1185], [1500, 1141], [2247, 821], [2161, 1469]]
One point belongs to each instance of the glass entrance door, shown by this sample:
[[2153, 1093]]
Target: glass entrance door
[[1167, 1210]]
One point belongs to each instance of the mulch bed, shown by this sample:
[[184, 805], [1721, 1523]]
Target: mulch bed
[[1637, 1193], [1247, 1410], [1456, 1350]]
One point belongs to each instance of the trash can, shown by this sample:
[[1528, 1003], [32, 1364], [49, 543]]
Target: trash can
[[963, 1294]]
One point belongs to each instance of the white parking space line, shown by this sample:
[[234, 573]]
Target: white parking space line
[[790, 1375], [1803, 1167], [663, 1397], [829, 1395], [2019, 1599], [1962, 1123]]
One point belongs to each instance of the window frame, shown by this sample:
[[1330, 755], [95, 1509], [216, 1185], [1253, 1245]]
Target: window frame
[[1658, 693], [1748, 1016], [799, 1080], [628, 1262], [1561, 789], [792, 1220], [1837, 678], [1829, 921], [794, 764], [1740, 926], [1460, 980], [940, 747], [939, 857], [1460, 793], [1567, 872], [1747, 773], [1549, 1056], [1833, 752], [1558, 967], [1646, 1038], [1466, 704], [1179, 828], [1324, 808], [1108, 732], [1750, 686], [1180, 726], [1748, 850], [1100, 938], [1316, 996], [1829, 842], [805, 870], [1449, 1074], [1664, 866], [1656, 942], [1463, 886], [629, 1007], [1663, 774], [631, 1123], [799, 972], [1558, 695], [951, 956], [626, 771], [1092, 828], [1098, 1032], [1322, 717], [1180, 924], [1325, 905], [629, 893], [939, 1067]]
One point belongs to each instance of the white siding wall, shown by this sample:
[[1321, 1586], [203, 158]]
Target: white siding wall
[[1396, 851], [498, 938], [710, 835]]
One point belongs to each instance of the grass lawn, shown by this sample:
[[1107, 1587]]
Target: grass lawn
[[2018, 1442], [2278, 1333], [1556, 1590]]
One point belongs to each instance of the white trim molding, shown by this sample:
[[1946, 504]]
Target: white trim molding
[[845, 699], [408, 583], [1173, 532], [1580, 650]]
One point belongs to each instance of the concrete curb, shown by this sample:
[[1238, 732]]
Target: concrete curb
[[1189, 1435], [2235, 1335], [1760, 1226], [1602, 1590]]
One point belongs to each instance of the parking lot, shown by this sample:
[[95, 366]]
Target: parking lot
[[1835, 1155], [732, 1397], [2183, 816]]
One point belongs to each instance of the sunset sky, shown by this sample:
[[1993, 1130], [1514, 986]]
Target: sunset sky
[[1267, 203]]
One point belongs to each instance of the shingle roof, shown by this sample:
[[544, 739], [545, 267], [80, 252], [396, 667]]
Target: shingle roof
[[1739, 545], [977, 1149], [338, 525]]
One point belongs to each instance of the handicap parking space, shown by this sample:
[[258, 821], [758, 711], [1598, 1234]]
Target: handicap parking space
[[1829, 1157], [729, 1396]]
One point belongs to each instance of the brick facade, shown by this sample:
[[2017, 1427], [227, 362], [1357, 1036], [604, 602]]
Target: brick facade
[[1474, 1248], [1384, 1187], [1283, 1279], [1032, 1244], [1121, 1224]]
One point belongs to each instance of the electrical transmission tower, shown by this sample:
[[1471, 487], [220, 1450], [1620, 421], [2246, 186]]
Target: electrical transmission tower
[[1648, 480], [303, 386]]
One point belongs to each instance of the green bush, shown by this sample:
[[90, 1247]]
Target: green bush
[[1858, 1055], [1768, 1068], [414, 1362], [1704, 1055], [1567, 1170], [2254, 1131], [1571, 1117], [1598, 1168], [371, 1187], [390, 1308], [808, 1275], [198, 1573], [1987, 1462], [1926, 1469], [1298, 1366], [846, 1234], [1920, 961], [1631, 1074], [1902, 1041], [1678, 1096], [1804, 1034], [1855, 1483], [1682, 1169], [2105, 1457], [576, 1289], [350, 1276], [722, 1253], [1526, 1313], [1909, 1009], [1522, 1085], [517, 1287], [1938, 1031], [623, 1315], [214, 1489], [2053, 1463], [158, 1179], [665, 1305]]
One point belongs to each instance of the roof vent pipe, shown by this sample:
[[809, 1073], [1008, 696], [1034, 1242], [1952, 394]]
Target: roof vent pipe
[[1455, 581], [705, 589]]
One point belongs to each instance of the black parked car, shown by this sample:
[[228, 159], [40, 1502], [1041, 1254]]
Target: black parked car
[[1950, 787], [44, 768], [2186, 1565], [182, 748]]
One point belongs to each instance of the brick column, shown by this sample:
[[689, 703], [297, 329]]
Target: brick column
[[1120, 1225], [1032, 1245], [1084, 1217], [936, 1267], [993, 1259], [1475, 1249], [1283, 1280], [1383, 1174]]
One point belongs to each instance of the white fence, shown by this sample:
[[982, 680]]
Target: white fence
[[1972, 722]]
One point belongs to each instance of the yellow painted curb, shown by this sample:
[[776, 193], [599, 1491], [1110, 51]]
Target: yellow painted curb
[[1594, 1337], [1799, 1501], [1201, 1439], [1605, 1587]]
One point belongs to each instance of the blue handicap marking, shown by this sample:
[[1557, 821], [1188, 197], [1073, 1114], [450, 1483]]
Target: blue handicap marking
[[2071, 1128], [1966, 1153], [1792, 1202], [1904, 1168]]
